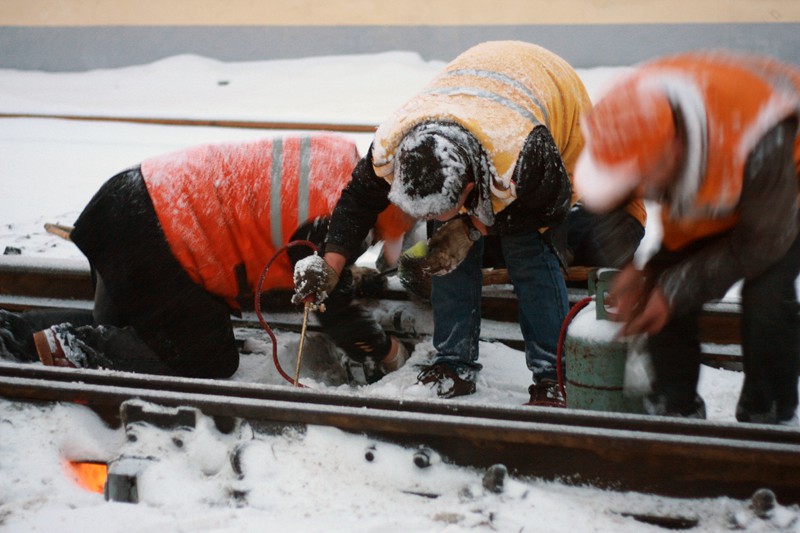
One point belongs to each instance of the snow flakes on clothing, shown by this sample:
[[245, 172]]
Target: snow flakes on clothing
[[431, 171]]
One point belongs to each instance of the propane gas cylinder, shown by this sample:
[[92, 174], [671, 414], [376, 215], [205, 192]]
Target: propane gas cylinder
[[594, 360]]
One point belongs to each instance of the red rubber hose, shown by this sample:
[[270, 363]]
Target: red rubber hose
[[560, 351], [259, 290]]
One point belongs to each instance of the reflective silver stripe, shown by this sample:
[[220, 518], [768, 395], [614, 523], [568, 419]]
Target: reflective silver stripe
[[489, 96], [275, 173], [502, 78], [303, 179]]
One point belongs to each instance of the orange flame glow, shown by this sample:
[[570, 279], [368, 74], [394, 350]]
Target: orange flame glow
[[88, 474]]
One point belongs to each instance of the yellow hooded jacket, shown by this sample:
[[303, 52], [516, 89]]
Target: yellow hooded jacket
[[499, 91]]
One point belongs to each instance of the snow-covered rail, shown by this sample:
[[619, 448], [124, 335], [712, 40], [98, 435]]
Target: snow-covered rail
[[624, 452]]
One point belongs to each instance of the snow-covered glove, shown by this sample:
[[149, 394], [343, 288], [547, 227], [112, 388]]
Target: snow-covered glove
[[449, 246], [367, 282], [314, 280]]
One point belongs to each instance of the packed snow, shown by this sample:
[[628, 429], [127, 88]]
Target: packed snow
[[313, 480]]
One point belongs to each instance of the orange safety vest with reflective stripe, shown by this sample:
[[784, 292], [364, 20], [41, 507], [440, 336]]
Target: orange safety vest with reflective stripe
[[784, 75], [737, 105], [499, 91], [227, 208]]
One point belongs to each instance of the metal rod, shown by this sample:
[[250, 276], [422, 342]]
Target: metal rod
[[306, 307]]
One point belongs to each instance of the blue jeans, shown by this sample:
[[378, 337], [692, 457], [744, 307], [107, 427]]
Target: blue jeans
[[541, 294]]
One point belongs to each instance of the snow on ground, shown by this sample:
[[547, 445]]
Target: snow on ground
[[313, 481]]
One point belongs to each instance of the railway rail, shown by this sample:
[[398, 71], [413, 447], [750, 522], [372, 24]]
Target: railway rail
[[671, 457]]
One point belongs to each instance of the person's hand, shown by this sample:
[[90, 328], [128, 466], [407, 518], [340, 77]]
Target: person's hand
[[641, 307], [314, 280], [651, 319], [627, 290], [449, 246]]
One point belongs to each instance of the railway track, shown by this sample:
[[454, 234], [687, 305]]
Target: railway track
[[625, 452], [669, 457]]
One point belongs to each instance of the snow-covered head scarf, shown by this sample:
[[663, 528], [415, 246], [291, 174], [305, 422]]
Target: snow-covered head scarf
[[433, 164]]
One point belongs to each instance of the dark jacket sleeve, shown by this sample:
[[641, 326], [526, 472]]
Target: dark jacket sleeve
[[362, 200], [544, 191], [766, 228]]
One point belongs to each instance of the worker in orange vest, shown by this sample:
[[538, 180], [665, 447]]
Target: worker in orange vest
[[712, 137], [179, 243]]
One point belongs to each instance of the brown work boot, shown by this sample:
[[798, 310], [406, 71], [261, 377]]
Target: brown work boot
[[546, 393], [447, 381], [68, 346], [50, 347]]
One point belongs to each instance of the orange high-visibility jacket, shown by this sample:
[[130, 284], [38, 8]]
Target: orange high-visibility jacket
[[499, 91], [225, 207], [729, 104]]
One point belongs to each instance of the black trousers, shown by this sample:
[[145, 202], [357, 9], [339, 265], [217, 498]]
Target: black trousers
[[156, 318], [770, 332], [602, 240]]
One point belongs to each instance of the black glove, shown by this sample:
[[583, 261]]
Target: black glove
[[367, 282], [314, 280]]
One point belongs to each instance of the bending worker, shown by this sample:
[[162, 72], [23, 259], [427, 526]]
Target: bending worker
[[178, 243], [486, 148], [712, 137]]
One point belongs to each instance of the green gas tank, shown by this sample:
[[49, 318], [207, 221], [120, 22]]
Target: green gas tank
[[594, 360]]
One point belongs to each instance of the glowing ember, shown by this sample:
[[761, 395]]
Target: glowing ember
[[89, 475]]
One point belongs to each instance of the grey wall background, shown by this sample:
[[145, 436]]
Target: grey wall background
[[83, 48]]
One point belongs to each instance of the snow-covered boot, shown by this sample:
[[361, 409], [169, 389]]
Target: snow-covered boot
[[448, 382], [66, 346], [662, 404], [546, 393]]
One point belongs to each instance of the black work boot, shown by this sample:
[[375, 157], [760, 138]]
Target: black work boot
[[661, 404], [754, 408]]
